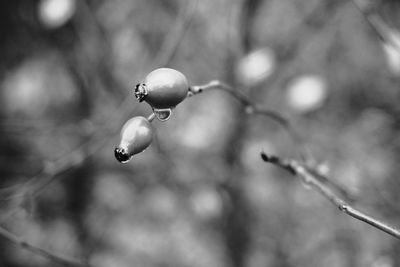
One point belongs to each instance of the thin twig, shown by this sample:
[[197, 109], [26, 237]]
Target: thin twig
[[250, 107], [298, 169], [61, 260]]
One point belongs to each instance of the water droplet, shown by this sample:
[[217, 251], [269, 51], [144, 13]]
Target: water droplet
[[121, 155], [163, 114]]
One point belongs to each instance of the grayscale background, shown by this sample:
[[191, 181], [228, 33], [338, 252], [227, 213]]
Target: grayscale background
[[200, 195]]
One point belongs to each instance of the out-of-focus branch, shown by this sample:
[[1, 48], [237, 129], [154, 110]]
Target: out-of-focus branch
[[61, 260], [51, 170], [380, 27], [307, 175], [175, 36]]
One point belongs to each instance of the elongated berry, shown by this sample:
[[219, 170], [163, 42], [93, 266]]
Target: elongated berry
[[136, 136]]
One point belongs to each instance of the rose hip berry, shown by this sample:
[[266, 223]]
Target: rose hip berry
[[163, 88], [136, 136]]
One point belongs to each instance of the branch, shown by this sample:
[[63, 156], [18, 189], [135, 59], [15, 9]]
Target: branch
[[311, 178], [250, 107], [61, 260], [382, 30], [50, 171]]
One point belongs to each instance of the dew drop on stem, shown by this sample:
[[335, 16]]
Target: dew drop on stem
[[163, 114]]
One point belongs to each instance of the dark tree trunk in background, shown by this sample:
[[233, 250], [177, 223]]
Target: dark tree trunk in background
[[238, 214]]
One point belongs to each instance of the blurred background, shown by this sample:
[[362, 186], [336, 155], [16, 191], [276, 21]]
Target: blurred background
[[200, 195]]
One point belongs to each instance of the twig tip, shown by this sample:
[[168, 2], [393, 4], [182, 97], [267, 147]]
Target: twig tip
[[264, 156]]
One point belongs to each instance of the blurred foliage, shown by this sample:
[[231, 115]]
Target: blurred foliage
[[200, 195]]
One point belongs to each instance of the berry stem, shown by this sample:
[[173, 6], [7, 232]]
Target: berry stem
[[151, 117]]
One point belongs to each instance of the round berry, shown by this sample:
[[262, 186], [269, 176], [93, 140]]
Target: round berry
[[163, 88], [136, 136]]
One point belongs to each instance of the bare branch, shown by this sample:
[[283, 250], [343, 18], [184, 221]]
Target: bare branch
[[250, 107], [382, 30], [61, 260], [308, 176]]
